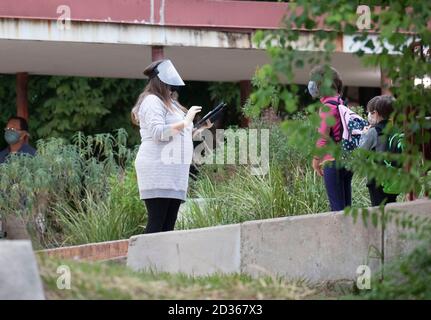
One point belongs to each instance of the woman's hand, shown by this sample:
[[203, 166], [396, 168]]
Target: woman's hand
[[191, 115], [188, 120], [208, 124], [317, 166]]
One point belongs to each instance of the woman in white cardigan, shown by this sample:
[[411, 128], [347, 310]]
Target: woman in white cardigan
[[165, 154]]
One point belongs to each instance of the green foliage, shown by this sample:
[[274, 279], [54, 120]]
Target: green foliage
[[74, 106], [229, 92], [232, 194], [95, 220], [60, 106], [7, 97], [244, 196], [124, 195], [408, 277], [74, 177]]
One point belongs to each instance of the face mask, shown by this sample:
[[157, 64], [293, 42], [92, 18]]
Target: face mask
[[11, 136], [313, 89]]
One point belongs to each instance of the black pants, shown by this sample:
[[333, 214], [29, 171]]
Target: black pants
[[162, 214], [378, 196], [338, 184]]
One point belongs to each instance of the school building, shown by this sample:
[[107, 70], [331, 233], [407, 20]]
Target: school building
[[208, 40]]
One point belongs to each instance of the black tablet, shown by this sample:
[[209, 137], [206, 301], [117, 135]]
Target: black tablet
[[212, 115]]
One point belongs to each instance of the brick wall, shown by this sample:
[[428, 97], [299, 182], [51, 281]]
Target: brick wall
[[110, 250]]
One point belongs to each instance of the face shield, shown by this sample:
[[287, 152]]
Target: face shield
[[168, 74]]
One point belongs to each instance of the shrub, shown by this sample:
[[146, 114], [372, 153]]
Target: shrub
[[61, 175]]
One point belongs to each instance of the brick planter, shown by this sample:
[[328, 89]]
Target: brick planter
[[15, 228], [111, 250]]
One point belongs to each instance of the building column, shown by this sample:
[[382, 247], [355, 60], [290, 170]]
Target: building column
[[21, 95], [157, 53], [245, 91]]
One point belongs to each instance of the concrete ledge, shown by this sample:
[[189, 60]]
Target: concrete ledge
[[395, 244], [197, 252], [93, 251], [19, 276], [318, 247]]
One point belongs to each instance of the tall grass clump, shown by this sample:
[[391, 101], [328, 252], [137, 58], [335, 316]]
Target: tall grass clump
[[119, 214]]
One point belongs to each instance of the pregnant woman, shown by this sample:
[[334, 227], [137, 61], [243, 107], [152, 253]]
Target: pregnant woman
[[165, 154]]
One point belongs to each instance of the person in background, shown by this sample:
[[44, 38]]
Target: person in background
[[379, 110], [338, 180], [16, 136]]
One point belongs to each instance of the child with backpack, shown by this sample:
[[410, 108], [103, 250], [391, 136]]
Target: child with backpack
[[345, 132], [379, 110]]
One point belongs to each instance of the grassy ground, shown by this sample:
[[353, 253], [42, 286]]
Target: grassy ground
[[115, 281]]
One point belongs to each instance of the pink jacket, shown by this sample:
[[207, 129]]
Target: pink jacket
[[325, 129]]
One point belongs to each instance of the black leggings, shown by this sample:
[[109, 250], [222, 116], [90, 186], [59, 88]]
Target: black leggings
[[162, 214]]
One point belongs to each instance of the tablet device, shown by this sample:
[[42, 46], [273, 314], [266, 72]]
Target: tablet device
[[212, 115]]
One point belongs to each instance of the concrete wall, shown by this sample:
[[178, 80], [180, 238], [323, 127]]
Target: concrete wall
[[318, 247], [19, 276], [197, 252], [395, 243]]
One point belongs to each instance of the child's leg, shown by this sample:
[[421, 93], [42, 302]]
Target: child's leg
[[378, 196], [347, 183], [390, 198], [334, 187]]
